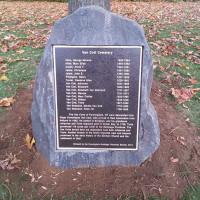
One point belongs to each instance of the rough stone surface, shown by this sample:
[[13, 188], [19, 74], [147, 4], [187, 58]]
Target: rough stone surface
[[92, 26], [73, 5]]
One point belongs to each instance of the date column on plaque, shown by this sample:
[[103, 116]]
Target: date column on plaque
[[97, 96], [123, 73]]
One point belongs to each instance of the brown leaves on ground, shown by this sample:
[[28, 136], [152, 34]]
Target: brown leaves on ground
[[25, 17], [182, 95], [179, 44], [6, 102], [10, 163]]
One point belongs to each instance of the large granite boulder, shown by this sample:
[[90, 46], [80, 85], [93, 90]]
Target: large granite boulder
[[92, 26]]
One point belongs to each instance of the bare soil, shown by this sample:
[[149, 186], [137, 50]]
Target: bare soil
[[167, 173]]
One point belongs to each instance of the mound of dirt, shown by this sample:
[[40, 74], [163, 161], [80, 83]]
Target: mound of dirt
[[167, 173]]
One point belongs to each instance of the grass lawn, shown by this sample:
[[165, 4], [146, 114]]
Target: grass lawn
[[173, 35]]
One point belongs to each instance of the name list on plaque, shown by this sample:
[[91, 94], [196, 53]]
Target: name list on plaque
[[97, 96]]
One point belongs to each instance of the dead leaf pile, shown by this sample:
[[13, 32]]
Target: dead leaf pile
[[182, 95], [10, 163]]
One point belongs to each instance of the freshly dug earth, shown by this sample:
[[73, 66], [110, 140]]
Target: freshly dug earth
[[167, 173]]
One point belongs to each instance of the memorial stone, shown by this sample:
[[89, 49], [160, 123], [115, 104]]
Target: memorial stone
[[91, 102]]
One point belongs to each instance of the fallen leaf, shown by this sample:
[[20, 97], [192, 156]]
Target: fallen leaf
[[183, 95], [21, 43], [198, 47], [14, 160], [4, 78], [32, 142], [168, 79], [7, 37], [154, 66], [4, 163], [9, 163], [13, 46], [154, 61], [195, 90], [189, 52], [162, 68], [174, 160], [193, 80], [3, 71], [20, 51], [178, 138], [174, 73], [183, 65], [175, 92], [6, 102], [4, 49], [181, 53], [44, 188], [160, 190], [4, 66], [186, 94], [184, 106], [189, 75], [168, 66], [171, 47], [2, 59], [187, 120], [18, 59], [29, 142], [39, 177], [197, 61]]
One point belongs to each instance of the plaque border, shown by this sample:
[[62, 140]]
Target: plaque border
[[54, 46]]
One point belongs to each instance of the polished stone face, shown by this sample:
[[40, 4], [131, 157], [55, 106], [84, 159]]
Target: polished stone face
[[93, 26]]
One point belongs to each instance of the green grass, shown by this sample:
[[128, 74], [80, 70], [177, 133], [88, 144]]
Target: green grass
[[185, 65], [14, 191], [192, 193], [21, 68], [10, 191], [157, 198]]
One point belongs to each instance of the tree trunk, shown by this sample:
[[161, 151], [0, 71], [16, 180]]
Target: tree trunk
[[73, 5]]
